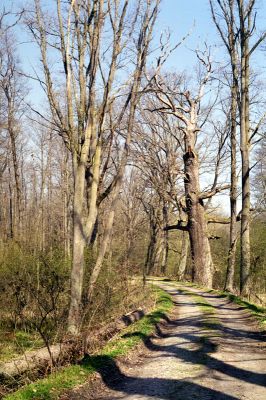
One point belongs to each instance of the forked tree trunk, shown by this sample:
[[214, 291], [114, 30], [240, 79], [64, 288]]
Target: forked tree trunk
[[197, 224], [84, 219], [105, 242]]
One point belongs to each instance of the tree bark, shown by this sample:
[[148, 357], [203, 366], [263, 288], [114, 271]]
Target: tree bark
[[229, 282], [244, 147], [151, 262], [197, 224], [165, 251], [66, 205], [11, 217], [79, 243], [183, 256], [150, 251], [104, 245]]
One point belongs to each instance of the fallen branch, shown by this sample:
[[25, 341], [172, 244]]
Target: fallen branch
[[93, 339], [32, 360], [71, 348]]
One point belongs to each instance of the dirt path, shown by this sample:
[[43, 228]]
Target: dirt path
[[185, 361]]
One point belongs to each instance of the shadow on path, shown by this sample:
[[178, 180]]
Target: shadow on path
[[159, 388], [170, 389]]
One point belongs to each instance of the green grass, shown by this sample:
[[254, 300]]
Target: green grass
[[257, 311], [13, 344], [54, 385]]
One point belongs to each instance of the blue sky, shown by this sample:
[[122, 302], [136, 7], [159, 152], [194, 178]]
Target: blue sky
[[194, 16], [181, 17]]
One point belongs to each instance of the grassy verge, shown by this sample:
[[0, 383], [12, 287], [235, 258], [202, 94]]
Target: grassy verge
[[257, 311], [54, 385]]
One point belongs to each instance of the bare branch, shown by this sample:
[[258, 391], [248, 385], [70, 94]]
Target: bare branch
[[206, 195]]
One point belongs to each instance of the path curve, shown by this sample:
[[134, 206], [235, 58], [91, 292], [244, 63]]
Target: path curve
[[186, 361]]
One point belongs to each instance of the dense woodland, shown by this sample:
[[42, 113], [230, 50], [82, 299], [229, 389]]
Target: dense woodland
[[110, 174]]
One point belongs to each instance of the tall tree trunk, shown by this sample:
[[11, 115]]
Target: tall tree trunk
[[229, 282], [66, 203], [165, 251], [41, 235], [197, 225], [16, 174], [79, 243], [48, 240], [244, 146], [106, 237], [11, 211], [183, 256], [158, 253], [150, 250], [83, 223], [153, 254], [93, 177]]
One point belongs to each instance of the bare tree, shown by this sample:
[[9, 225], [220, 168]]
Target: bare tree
[[157, 155], [13, 92], [240, 24], [230, 39]]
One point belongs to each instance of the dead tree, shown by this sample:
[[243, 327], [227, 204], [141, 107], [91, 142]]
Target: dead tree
[[186, 108]]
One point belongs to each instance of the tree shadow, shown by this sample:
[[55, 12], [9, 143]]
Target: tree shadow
[[237, 333], [159, 388], [170, 389]]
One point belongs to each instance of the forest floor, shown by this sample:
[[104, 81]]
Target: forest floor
[[207, 348]]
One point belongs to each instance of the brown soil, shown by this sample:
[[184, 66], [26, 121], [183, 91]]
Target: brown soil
[[186, 361]]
